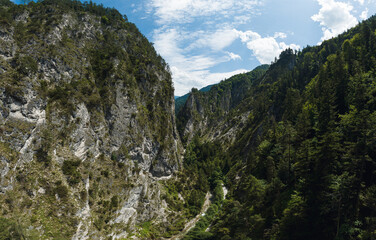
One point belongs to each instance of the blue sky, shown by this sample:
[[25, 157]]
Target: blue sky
[[206, 41]]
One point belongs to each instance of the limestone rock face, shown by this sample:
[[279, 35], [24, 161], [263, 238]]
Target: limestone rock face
[[87, 124], [217, 115]]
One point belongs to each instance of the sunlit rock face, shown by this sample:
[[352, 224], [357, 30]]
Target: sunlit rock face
[[87, 123]]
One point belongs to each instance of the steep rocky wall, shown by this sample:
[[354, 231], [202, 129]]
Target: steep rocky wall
[[86, 124], [215, 114]]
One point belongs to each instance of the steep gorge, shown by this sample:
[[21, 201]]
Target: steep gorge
[[297, 150], [89, 147]]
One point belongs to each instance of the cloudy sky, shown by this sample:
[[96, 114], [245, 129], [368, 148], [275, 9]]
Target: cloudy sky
[[205, 41]]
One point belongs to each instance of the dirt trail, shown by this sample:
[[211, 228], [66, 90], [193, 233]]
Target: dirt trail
[[191, 224]]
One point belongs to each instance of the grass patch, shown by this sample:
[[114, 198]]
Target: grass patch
[[70, 168]]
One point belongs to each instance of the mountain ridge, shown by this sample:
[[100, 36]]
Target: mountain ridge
[[180, 101], [82, 95], [288, 150]]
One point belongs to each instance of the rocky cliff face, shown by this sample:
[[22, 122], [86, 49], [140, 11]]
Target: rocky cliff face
[[215, 114], [87, 123]]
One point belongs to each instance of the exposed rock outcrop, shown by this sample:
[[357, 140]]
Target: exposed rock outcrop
[[87, 122]]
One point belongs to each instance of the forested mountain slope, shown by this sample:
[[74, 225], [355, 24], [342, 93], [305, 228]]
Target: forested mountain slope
[[83, 96], [301, 163]]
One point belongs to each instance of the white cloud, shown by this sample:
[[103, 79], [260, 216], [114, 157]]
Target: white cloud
[[361, 2], [216, 41], [364, 14], [194, 70], [265, 49], [280, 35], [234, 56], [189, 71], [248, 35], [242, 19], [183, 11], [334, 17], [185, 80], [196, 35], [167, 44]]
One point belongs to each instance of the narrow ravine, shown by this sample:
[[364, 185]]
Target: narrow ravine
[[191, 224]]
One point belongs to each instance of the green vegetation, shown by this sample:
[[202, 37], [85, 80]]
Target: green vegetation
[[303, 162], [71, 54], [61, 191], [203, 166], [10, 230], [201, 227], [26, 65], [7, 152], [180, 101], [147, 231], [294, 142], [202, 173], [6, 3], [69, 168], [217, 102], [41, 154], [199, 231]]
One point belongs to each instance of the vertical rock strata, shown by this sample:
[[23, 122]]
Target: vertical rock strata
[[86, 122]]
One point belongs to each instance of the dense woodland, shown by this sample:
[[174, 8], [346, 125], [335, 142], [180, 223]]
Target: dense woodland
[[304, 165]]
